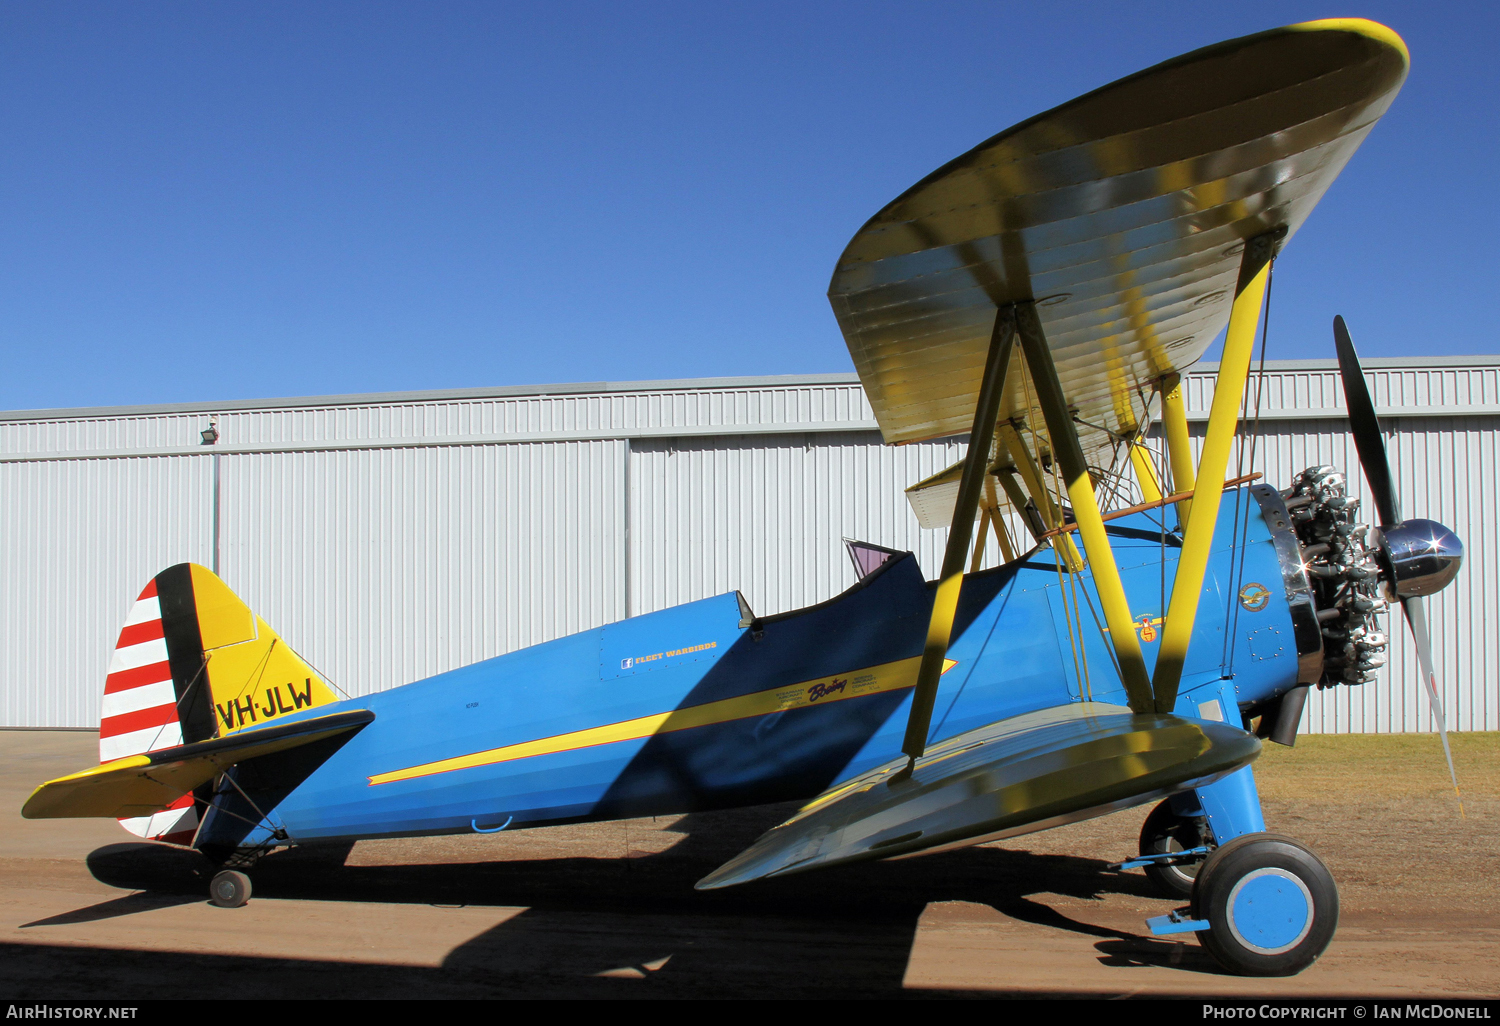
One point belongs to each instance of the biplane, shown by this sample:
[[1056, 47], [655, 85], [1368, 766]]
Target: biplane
[[1043, 294]]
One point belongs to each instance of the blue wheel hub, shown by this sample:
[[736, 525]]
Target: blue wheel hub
[[1270, 911]]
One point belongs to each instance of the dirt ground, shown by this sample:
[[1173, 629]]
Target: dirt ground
[[608, 910]]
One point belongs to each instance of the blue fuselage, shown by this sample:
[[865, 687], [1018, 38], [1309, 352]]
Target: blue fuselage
[[696, 708]]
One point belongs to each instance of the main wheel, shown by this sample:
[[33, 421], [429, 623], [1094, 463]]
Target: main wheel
[[229, 889], [1166, 831], [1271, 904]]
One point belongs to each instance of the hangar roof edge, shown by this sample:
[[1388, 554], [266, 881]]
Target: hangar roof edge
[[604, 387]]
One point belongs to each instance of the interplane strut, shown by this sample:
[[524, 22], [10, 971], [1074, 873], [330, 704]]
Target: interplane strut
[[1223, 421], [976, 464], [1069, 454]]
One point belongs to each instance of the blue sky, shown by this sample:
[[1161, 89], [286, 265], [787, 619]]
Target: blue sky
[[207, 201]]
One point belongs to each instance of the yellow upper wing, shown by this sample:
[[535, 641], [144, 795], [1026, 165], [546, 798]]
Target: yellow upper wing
[[1122, 213]]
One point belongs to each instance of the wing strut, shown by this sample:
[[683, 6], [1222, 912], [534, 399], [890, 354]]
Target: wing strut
[[1069, 455], [976, 465], [1017, 497], [996, 521], [1145, 473], [1223, 421], [1050, 513], [1179, 442]]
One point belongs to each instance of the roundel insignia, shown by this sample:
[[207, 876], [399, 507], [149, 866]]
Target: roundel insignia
[[1254, 596]]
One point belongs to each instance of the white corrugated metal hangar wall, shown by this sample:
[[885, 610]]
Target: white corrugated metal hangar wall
[[391, 537]]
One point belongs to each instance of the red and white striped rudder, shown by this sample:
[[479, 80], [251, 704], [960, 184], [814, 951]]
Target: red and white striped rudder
[[139, 713]]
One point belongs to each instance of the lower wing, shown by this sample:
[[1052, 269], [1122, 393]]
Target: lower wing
[[1026, 773]]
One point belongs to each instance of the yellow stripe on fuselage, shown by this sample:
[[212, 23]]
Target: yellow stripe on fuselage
[[872, 680]]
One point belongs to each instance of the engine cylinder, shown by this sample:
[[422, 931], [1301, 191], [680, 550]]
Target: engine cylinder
[[1342, 562]]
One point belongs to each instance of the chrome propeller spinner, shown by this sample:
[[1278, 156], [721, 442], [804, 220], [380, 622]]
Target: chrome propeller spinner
[[1423, 557], [1417, 557]]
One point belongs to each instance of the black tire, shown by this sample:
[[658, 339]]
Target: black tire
[[1271, 904], [229, 889], [1165, 831]]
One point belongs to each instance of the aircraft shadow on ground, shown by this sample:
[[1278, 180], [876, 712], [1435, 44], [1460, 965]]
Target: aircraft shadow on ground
[[843, 930]]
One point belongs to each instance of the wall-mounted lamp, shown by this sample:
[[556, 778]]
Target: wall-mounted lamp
[[211, 433]]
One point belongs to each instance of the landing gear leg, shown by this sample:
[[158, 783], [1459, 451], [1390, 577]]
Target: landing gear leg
[[1262, 904]]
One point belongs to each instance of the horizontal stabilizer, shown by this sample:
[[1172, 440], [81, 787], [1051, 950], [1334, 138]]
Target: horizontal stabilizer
[[1026, 773], [140, 785]]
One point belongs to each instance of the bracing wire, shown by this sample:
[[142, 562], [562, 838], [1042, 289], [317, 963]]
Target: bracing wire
[[1242, 517], [326, 678], [1076, 613], [1075, 637]]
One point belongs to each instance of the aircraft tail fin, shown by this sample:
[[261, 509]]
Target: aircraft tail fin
[[193, 663]]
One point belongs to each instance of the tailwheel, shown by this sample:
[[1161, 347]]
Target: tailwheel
[[229, 889], [1270, 903], [1164, 832]]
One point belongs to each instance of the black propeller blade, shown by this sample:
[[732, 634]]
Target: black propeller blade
[[1370, 444], [1368, 440]]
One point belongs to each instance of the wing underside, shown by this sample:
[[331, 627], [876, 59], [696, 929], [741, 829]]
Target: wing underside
[[1027, 773], [1122, 215]]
